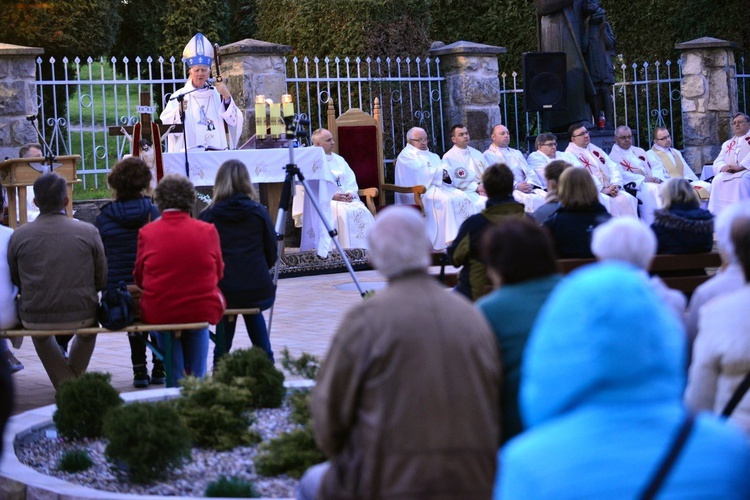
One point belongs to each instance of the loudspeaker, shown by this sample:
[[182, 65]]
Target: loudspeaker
[[544, 76]]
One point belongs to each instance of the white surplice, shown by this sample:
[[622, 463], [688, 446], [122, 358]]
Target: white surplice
[[465, 168], [635, 168], [729, 188], [514, 159]]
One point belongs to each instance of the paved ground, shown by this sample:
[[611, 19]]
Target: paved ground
[[307, 313]]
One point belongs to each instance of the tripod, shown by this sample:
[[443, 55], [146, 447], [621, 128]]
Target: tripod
[[295, 130]]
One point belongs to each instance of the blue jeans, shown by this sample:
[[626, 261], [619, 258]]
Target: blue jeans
[[189, 352], [256, 329]]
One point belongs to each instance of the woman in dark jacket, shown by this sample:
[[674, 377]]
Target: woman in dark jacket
[[682, 226], [119, 222], [248, 247], [580, 212]]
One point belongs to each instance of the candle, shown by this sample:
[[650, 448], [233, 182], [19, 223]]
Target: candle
[[260, 117], [286, 101], [277, 124]]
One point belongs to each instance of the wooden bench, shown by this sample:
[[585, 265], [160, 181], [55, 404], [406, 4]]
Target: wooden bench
[[142, 330], [684, 272]]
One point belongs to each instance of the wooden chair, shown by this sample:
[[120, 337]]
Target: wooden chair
[[359, 140]]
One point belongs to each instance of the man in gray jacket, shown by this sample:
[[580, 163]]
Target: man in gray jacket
[[59, 265]]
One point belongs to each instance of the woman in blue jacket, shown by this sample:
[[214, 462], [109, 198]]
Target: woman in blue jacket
[[119, 222], [248, 247]]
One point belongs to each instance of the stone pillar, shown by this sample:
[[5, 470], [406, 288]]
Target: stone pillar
[[709, 97], [17, 97], [253, 67], [472, 89]]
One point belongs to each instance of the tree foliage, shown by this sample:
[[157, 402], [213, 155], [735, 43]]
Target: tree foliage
[[141, 32], [185, 19]]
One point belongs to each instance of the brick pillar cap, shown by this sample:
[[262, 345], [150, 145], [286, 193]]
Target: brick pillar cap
[[706, 42], [6, 49], [250, 46], [467, 48]]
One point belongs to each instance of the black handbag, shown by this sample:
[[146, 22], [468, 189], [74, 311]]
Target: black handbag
[[116, 310]]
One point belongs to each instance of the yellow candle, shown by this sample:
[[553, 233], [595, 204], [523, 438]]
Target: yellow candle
[[277, 124], [260, 117], [286, 101]]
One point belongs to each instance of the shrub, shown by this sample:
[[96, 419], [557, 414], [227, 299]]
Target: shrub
[[291, 453], [148, 438], [82, 404], [216, 414], [252, 370], [306, 366], [73, 461], [301, 414], [232, 487]]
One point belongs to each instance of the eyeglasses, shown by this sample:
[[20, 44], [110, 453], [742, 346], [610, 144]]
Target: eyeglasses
[[624, 137], [739, 121], [423, 139], [663, 138], [585, 132], [549, 144]]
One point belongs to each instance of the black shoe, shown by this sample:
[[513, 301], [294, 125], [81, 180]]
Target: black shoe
[[158, 375], [141, 378]]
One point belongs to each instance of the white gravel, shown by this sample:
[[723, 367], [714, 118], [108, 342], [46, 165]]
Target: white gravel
[[42, 454]]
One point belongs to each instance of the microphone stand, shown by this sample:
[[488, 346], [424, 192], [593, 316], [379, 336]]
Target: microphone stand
[[295, 130], [49, 157]]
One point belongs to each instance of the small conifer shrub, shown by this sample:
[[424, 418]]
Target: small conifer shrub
[[232, 487], [291, 453], [252, 370], [82, 404], [305, 366], [73, 461]]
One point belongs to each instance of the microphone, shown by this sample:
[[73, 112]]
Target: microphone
[[208, 86], [31, 118]]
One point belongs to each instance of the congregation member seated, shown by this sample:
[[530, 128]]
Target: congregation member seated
[[465, 166], [119, 223], [721, 353], [546, 152], [552, 173], [249, 250], [376, 410], [59, 266], [526, 183], [731, 168], [682, 226], [668, 163], [8, 309], [579, 213], [636, 172], [465, 249], [605, 172], [523, 275], [630, 240], [729, 277], [445, 207], [178, 266], [601, 386]]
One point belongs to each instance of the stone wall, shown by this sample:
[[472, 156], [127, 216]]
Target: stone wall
[[17, 97], [709, 97]]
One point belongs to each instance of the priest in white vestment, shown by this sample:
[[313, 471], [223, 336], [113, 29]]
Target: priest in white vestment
[[606, 173], [637, 170], [208, 107], [445, 207], [527, 187], [349, 216], [546, 152], [732, 167], [465, 166], [667, 162]]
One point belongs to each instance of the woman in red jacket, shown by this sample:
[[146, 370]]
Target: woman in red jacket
[[178, 266]]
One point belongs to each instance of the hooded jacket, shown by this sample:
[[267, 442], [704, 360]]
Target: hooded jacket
[[118, 223], [683, 229], [601, 390], [248, 247]]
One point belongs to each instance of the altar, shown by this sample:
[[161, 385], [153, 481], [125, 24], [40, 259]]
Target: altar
[[267, 166]]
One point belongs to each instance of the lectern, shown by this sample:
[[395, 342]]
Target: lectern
[[18, 173]]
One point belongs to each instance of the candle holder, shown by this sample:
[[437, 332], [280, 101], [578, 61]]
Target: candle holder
[[260, 117]]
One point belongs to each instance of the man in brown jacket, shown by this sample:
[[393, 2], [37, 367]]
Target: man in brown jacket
[[407, 401], [59, 265]]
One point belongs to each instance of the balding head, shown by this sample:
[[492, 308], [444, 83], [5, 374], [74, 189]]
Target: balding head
[[417, 137], [500, 136], [397, 241]]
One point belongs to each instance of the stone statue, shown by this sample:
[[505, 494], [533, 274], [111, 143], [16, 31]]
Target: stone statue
[[561, 28], [599, 49]]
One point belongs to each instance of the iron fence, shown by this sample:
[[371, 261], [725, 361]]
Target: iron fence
[[742, 73]]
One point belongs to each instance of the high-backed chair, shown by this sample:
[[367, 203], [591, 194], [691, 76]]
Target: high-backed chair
[[359, 140]]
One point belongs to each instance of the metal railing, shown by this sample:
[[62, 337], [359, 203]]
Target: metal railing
[[742, 73]]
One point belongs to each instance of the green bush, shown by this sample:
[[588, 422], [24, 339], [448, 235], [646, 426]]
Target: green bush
[[232, 487], [148, 438], [306, 366], [291, 453], [216, 414], [73, 461], [300, 414], [82, 404], [252, 370]]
